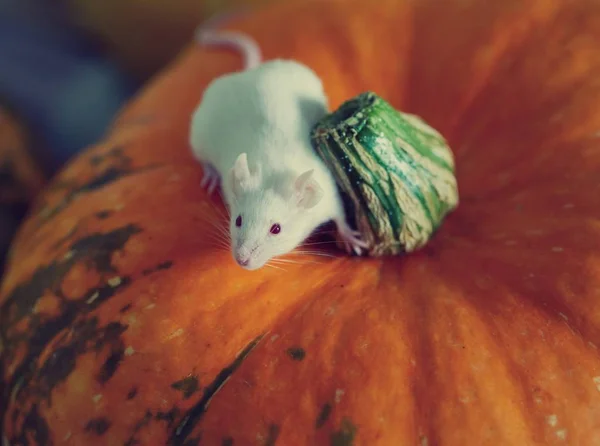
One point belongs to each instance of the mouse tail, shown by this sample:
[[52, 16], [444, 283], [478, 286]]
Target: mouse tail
[[208, 34]]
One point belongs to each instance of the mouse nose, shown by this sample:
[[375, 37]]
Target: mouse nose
[[242, 261]]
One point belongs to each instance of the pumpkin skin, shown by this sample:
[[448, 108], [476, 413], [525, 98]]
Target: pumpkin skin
[[124, 322], [20, 177]]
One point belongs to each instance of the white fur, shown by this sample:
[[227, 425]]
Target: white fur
[[267, 113], [251, 132]]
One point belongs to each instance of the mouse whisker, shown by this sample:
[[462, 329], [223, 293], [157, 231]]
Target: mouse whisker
[[220, 246], [219, 240], [313, 253], [222, 212], [214, 235], [220, 217], [288, 261], [275, 267], [218, 226], [331, 242], [220, 233]]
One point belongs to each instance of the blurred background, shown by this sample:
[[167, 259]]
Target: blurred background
[[66, 69]]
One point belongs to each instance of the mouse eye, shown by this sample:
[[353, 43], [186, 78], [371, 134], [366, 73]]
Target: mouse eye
[[238, 221], [275, 229]]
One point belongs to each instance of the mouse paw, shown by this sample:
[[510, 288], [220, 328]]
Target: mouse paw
[[210, 178], [351, 238]]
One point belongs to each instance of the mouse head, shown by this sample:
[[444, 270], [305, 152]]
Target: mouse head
[[269, 215]]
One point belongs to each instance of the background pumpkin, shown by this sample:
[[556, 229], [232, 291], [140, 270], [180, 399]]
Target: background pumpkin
[[122, 323], [127, 28], [20, 177]]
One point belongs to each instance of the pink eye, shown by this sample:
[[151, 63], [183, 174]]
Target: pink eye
[[238, 221], [275, 229]]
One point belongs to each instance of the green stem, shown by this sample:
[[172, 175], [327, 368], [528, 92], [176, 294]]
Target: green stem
[[395, 173]]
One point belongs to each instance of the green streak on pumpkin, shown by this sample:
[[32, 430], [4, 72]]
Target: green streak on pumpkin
[[98, 426], [323, 415], [187, 386], [394, 172], [296, 353], [345, 435], [194, 415], [272, 435]]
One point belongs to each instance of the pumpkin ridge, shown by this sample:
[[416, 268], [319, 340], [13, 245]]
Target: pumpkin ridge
[[477, 121], [514, 47], [191, 418], [553, 304], [531, 386], [424, 411], [426, 348]]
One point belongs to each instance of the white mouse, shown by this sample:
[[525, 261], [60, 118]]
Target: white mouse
[[251, 133]]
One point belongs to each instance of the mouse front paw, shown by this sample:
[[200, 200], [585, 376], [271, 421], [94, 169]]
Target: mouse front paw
[[210, 178], [351, 238]]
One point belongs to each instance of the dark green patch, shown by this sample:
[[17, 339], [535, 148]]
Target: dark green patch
[[227, 441], [110, 335], [117, 166], [97, 426], [99, 248], [169, 416], [71, 333], [34, 428], [132, 393], [58, 366], [111, 364], [102, 215], [115, 155], [111, 175], [272, 435], [296, 353], [195, 414], [161, 266], [188, 386], [143, 422], [345, 435], [323, 415], [95, 250], [85, 336]]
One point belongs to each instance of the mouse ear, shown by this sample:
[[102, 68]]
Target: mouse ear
[[241, 171], [240, 177], [308, 190], [239, 174]]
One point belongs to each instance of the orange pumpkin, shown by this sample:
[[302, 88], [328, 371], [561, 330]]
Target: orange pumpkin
[[124, 322]]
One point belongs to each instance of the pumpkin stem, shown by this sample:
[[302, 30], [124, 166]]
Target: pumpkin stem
[[395, 172]]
